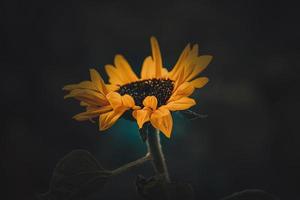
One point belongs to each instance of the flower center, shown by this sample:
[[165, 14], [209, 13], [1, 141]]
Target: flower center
[[139, 90]]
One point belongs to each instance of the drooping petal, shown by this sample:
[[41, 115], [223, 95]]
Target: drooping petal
[[128, 101], [199, 82], [142, 116], [98, 81], [156, 56], [106, 120], [126, 72], [162, 120], [92, 113], [148, 68], [180, 104]]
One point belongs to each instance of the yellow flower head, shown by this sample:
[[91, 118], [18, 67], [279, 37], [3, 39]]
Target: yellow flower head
[[149, 98]]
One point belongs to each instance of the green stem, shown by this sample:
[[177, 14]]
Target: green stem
[[131, 165], [155, 150]]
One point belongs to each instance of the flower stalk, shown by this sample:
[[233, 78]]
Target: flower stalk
[[155, 150], [131, 165]]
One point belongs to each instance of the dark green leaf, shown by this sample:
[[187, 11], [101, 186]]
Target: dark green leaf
[[191, 115], [76, 176]]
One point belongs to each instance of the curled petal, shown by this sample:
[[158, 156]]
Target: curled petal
[[142, 116], [162, 120], [150, 102], [128, 101]]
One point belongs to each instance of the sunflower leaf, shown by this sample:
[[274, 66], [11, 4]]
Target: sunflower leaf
[[76, 176], [191, 115]]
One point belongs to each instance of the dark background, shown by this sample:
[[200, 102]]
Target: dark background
[[249, 140]]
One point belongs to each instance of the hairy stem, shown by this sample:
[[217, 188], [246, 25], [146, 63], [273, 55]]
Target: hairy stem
[[131, 165], [155, 150]]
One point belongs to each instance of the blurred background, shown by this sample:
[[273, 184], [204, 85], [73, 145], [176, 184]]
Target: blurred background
[[249, 140]]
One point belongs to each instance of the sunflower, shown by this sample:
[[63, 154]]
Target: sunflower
[[150, 98]]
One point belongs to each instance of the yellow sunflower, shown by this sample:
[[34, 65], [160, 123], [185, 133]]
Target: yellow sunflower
[[149, 98]]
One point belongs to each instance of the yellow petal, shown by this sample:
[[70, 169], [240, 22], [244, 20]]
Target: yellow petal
[[179, 80], [92, 113], [189, 67], [165, 73], [148, 68], [201, 64], [184, 90], [162, 120], [106, 120], [111, 87], [142, 116], [174, 72], [195, 50], [89, 96], [115, 76], [190, 62], [180, 104], [199, 82], [115, 100], [82, 103], [150, 102], [156, 56], [128, 101], [126, 72], [82, 85], [98, 81]]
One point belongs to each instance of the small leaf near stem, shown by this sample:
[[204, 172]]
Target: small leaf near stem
[[191, 115]]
